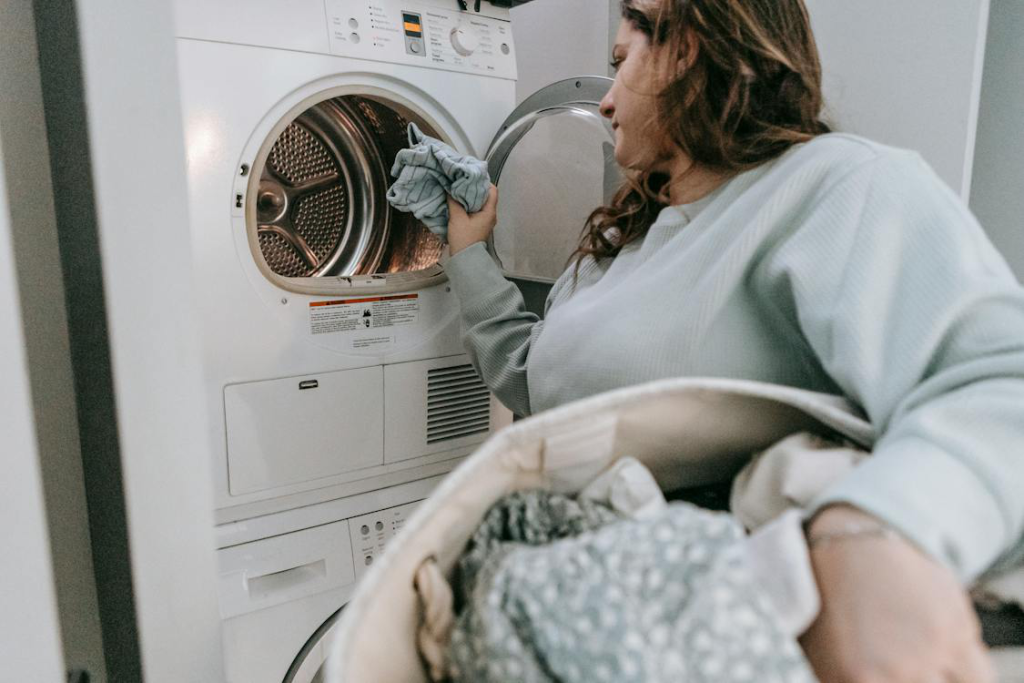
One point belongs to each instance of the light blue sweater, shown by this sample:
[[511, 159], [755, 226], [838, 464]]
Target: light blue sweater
[[844, 266]]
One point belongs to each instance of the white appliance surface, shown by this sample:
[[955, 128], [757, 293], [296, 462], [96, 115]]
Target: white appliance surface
[[342, 419], [330, 413], [278, 594], [235, 95]]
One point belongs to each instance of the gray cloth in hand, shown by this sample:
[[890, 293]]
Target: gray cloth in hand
[[556, 589], [429, 171]]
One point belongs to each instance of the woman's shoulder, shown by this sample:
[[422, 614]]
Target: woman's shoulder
[[842, 184], [843, 157], [839, 152]]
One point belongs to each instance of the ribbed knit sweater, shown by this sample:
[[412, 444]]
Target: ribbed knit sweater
[[845, 267]]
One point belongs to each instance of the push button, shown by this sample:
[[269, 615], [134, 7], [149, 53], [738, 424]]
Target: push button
[[414, 46]]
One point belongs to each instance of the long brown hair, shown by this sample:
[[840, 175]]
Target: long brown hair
[[750, 90]]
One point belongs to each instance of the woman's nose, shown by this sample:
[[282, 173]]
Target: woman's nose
[[607, 106]]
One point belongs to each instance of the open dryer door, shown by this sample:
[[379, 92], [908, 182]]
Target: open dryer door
[[554, 161]]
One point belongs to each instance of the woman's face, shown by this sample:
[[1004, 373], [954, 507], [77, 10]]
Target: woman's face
[[631, 104]]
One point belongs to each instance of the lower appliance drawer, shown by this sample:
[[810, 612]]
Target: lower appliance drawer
[[300, 429]]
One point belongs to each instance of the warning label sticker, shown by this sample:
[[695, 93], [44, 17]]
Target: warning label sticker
[[372, 313]]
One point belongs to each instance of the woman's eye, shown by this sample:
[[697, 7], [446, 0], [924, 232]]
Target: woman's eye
[[615, 64]]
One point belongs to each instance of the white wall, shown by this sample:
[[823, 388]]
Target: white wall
[[44, 317], [558, 39], [30, 646], [138, 209], [614, 19], [997, 194], [906, 73], [945, 78]]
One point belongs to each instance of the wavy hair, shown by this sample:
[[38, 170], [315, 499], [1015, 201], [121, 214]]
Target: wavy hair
[[750, 90]]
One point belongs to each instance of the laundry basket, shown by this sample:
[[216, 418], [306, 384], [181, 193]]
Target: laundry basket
[[688, 432]]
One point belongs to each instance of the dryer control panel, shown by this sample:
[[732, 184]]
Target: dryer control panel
[[371, 532], [421, 35]]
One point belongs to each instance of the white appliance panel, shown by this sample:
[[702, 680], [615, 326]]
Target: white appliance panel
[[275, 593], [309, 516], [286, 24], [259, 647], [434, 406], [236, 95], [371, 533], [292, 466], [283, 24], [301, 429], [445, 39], [275, 570]]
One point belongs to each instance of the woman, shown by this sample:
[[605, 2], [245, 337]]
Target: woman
[[753, 243]]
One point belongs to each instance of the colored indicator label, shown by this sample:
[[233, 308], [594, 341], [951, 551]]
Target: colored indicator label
[[413, 25]]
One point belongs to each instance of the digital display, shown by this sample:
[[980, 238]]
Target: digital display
[[413, 25]]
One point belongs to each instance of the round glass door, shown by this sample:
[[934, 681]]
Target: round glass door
[[554, 162], [315, 206]]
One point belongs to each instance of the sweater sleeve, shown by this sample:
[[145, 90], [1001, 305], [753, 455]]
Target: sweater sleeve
[[913, 313], [497, 330]]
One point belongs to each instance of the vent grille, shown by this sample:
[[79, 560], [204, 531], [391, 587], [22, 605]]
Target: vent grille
[[458, 404]]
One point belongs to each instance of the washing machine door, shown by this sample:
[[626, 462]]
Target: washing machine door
[[554, 161], [308, 666]]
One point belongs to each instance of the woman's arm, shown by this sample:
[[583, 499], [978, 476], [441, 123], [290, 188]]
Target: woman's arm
[[915, 316], [889, 613], [497, 330]]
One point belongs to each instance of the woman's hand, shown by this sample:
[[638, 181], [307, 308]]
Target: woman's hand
[[465, 229], [889, 614]]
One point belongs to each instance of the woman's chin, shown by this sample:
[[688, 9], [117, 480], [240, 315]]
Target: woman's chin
[[620, 157], [631, 159], [626, 160]]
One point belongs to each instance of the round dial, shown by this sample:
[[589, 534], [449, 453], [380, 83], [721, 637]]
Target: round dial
[[465, 41]]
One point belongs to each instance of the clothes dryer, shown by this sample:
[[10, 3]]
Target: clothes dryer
[[338, 392], [331, 344]]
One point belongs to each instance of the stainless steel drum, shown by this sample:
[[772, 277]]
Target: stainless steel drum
[[321, 208]]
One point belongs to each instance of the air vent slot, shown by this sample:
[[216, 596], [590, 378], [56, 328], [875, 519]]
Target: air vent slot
[[458, 404]]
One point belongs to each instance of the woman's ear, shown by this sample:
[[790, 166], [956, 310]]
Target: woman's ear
[[686, 54]]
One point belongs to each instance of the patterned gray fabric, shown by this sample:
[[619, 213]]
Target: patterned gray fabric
[[429, 171], [554, 589]]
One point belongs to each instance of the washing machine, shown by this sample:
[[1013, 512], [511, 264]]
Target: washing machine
[[338, 392]]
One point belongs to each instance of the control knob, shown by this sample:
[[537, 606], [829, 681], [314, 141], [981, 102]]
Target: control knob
[[464, 41]]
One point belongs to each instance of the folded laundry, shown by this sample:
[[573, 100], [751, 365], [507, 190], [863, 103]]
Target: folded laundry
[[428, 172]]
